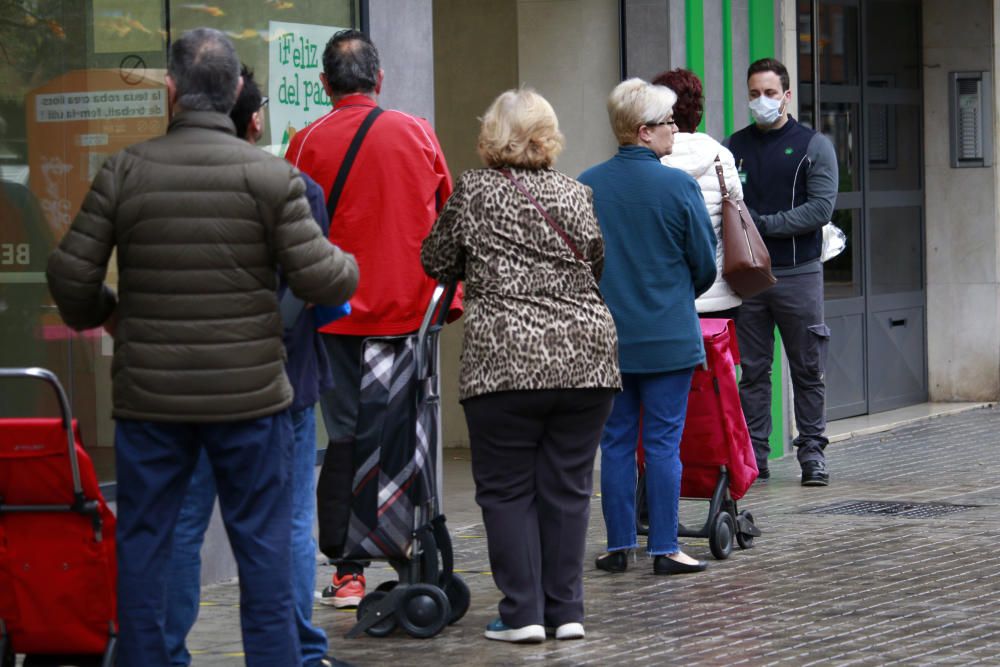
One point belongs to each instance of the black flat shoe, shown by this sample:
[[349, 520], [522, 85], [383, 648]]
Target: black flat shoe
[[613, 561], [667, 565]]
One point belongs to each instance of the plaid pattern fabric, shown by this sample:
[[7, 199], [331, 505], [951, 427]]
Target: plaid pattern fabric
[[391, 455]]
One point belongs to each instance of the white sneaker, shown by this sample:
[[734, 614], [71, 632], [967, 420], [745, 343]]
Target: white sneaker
[[567, 631], [529, 634]]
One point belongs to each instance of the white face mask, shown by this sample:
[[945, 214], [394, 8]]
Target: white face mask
[[765, 110]]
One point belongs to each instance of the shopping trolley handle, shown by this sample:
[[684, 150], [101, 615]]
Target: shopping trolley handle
[[437, 310], [49, 377], [434, 318]]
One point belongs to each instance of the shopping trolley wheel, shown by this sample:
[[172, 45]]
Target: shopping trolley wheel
[[423, 610], [720, 540], [745, 540], [383, 627], [387, 586], [458, 596]]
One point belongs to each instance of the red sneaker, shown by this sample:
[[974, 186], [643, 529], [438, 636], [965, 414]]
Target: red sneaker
[[344, 592]]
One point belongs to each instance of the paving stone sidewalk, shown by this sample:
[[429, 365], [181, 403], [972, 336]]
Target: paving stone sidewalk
[[818, 588]]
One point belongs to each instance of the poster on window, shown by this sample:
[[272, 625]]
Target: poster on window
[[295, 61]]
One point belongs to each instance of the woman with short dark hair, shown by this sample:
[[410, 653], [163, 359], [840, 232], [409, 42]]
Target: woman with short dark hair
[[694, 152]]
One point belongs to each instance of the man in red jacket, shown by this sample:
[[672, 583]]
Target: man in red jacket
[[387, 199]]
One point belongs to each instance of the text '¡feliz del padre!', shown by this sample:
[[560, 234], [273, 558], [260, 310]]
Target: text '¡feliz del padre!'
[[295, 61]]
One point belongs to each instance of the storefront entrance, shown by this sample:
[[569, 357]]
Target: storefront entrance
[[865, 54]]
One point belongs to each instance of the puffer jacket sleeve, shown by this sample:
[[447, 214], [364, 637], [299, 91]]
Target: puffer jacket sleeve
[[78, 266], [317, 271]]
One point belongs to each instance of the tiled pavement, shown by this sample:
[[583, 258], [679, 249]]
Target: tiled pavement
[[817, 588]]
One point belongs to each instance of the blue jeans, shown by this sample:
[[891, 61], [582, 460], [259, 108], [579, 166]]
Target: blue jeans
[[251, 460], [663, 397], [184, 576]]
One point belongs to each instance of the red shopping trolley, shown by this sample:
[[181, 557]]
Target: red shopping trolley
[[716, 452], [57, 540]]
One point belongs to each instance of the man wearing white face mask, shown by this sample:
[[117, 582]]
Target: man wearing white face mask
[[789, 176]]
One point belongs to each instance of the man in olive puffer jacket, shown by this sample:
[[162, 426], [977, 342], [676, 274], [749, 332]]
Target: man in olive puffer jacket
[[201, 220]]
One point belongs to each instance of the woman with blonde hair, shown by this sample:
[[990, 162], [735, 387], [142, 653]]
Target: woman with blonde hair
[[539, 363], [660, 255]]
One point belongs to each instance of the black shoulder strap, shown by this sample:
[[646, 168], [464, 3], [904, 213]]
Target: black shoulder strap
[[345, 166]]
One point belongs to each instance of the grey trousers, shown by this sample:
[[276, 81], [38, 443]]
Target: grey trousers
[[795, 305], [533, 463]]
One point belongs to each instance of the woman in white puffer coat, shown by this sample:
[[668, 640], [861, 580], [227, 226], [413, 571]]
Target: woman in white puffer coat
[[694, 152]]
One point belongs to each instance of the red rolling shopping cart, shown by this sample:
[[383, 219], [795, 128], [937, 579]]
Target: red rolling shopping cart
[[57, 540], [716, 452]]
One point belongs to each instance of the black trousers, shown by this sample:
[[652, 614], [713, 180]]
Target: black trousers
[[334, 487], [533, 464]]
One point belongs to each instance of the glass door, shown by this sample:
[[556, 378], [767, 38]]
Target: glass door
[[835, 61], [79, 81], [865, 56], [895, 204]]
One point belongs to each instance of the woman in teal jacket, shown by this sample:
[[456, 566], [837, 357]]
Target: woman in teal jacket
[[659, 256]]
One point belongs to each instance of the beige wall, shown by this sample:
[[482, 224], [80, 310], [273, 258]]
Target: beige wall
[[475, 58], [567, 50], [963, 276], [402, 30]]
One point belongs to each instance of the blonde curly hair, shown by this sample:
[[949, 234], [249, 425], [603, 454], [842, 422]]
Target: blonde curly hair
[[519, 129]]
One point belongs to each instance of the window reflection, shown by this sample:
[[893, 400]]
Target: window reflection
[[842, 274], [838, 43], [78, 82], [803, 18], [838, 47], [282, 41], [840, 125], [893, 43], [894, 146]]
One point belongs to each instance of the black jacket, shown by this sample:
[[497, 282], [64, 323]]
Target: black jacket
[[790, 179]]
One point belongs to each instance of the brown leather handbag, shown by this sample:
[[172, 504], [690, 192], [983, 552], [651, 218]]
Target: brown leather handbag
[[746, 264]]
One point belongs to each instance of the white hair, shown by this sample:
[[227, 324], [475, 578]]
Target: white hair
[[635, 102]]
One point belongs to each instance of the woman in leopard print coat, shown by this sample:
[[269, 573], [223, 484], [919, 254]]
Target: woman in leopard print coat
[[539, 360]]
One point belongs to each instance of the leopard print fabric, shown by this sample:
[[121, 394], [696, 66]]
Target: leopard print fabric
[[534, 317]]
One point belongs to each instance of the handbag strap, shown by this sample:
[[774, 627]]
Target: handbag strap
[[722, 179], [548, 218], [345, 166]]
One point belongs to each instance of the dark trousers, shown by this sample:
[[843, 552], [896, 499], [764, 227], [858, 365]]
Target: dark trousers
[[251, 461], [334, 488], [795, 305], [533, 464]]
